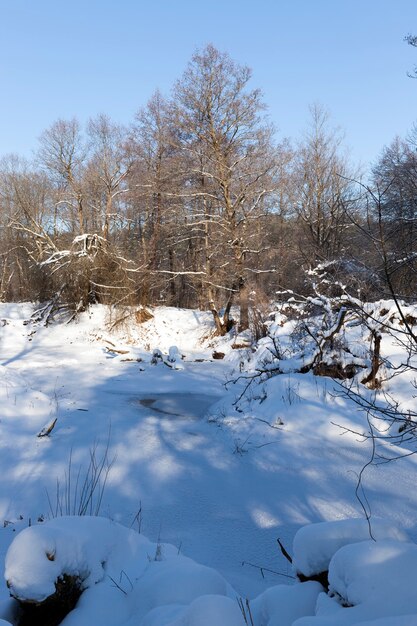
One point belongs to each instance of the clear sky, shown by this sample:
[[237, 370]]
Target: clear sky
[[83, 57]]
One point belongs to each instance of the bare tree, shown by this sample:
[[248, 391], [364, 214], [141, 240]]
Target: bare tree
[[88, 178], [63, 154], [321, 190], [394, 209], [26, 202], [156, 202], [232, 168], [107, 169], [412, 41]]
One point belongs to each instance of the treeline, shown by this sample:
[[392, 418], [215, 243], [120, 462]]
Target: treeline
[[197, 204]]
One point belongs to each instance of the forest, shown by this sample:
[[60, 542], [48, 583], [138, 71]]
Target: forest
[[201, 203]]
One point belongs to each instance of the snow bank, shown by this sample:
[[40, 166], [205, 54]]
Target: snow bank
[[86, 547], [283, 604], [376, 577], [121, 572], [169, 326], [203, 611], [315, 545], [129, 581], [371, 583]]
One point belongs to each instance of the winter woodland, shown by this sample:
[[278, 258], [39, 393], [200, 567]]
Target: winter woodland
[[208, 343]]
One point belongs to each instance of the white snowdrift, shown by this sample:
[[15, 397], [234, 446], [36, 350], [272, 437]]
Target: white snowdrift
[[315, 545], [369, 583], [87, 547], [378, 574], [121, 570], [283, 604], [130, 581]]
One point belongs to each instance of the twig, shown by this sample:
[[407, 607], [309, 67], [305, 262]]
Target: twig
[[284, 552], [266, 569]]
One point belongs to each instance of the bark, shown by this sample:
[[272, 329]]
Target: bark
[[224, 325], [244, 306], [371, 379]]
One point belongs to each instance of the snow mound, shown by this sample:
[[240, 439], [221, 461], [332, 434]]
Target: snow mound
[[371, 583], [87, 547], [203, 611], [130, 581], [121, 571], [315, 545], [373, 574], [283, 604], [169, 326]]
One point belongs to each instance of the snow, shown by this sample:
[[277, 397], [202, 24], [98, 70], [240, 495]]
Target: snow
[[283, 605], [315, 545], [102, 553], [155, 584], [203, 476], [370, 580], [87, 547], [203, 611], [379, 574]]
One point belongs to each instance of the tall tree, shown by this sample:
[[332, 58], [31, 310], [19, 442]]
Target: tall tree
[[155, 196], [412, 41], [107, 169], [26, 209], [321, 190], [231, 164], [63, 153], [395, 178]]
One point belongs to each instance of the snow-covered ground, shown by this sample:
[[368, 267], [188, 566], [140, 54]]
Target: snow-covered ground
[[187, 468]]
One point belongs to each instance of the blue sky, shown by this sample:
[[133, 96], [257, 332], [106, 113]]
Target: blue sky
[[84, 57]]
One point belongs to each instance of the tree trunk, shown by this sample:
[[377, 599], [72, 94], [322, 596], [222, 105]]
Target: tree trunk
[[244, 306], [371, 379], [106, 226], [223, 325]]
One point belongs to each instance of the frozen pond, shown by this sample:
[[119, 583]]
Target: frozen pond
[[190, 406]]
